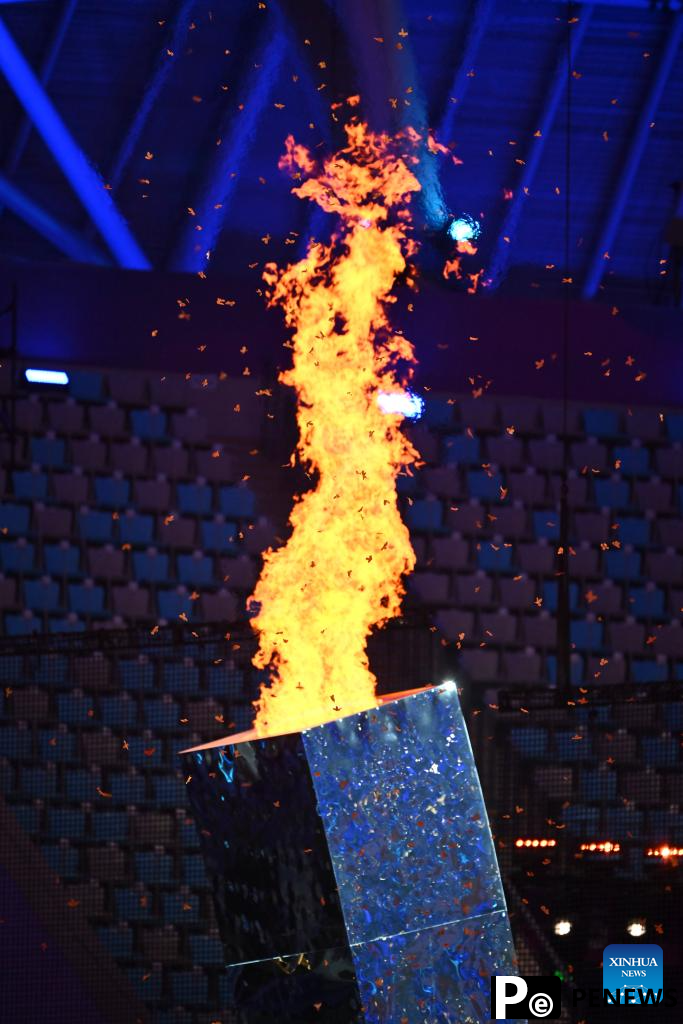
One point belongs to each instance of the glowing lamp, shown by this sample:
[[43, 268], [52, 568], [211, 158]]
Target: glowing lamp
[[636, 929], [37, 376], [464, 228], [562, 927], [401, 403], [353, 851]]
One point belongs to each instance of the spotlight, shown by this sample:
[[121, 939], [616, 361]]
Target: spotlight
[[402, 403], [36, 376], [463, 228], [636, 928], [562, 926]]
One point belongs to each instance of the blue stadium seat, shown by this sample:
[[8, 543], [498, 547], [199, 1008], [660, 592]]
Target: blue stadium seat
[[194, 871], [665, 826], [66, 821], [48, 451], [633, 461], [136, 529], [61, 559], [180, 909], [118, 711], [62, 858], [171, 604], [180, 677], [150, 566], [635, 531], [95, 526], [571, 748], [646, 602], [437, 412], [16, 558], [112, 491], [110, 826], [599, 785], [674, 426], [41, 595], [424, 515], [148, 424], [496, 558], [546, 524], [484, 486], [219, 536], [225, 681], [621, 564], [28, 816], [673, 716], [612, 493], [57, 746], [647, 670], [21, 625], [132, 904], [581, 820], [550, 596], [169, 791], [660, 751], [189, 988], [81, 784], [154, 868], [136, 673], [30, 486], [86, 598], [70, 624], [51, 669], [575, 669], [195, 570], [127, 788], [144, 752], [161, 714], [86, 385], [73, 708], [14, 519], [530, 741], [207, 950], [237, 502], [623, 822], [601, 422], [39, 783], [461, 448], [195, 499], [586, 635]]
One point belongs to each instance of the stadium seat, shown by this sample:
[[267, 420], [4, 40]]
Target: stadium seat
[[151, 566], [71, 488], [41, 595], [148, 424], [601, 423], [633, 460], [195, 570], [195, 499], [486, 486], [623, 564], [424, 515], [30, 485], [61, 559], [48, 451], [152, 495], [86, 598], [612, 493], [112, 492], [237, 502], [646, 602], [14, 519], [172, 604], [95, 526], [89, 454], [66, 417]]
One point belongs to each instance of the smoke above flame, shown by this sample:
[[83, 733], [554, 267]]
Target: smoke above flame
[[339, 576]]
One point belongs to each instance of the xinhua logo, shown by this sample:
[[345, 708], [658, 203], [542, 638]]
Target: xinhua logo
[[524, 998], [633, 973]]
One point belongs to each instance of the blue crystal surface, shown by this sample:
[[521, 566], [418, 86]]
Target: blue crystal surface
[[411, 848]]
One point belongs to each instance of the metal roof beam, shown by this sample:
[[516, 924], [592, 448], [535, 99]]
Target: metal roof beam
[[477, 25], [60, 235], [151, 92], [553, 97], [193, 247], [633, 157], [81, 175]]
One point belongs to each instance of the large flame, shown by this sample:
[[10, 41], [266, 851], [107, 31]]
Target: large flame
[[340, 573]]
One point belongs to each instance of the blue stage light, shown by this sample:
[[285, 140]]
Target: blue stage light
[[58, 377], [464, 228], [404, 403]]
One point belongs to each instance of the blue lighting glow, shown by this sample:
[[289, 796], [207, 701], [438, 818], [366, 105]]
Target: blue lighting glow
[[403, 403], [464, 228], [34, 376]]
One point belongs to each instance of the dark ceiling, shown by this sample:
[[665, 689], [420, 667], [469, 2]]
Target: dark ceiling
[[183, 106]]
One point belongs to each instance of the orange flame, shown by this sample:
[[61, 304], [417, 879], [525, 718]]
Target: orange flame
[[340, 574]]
